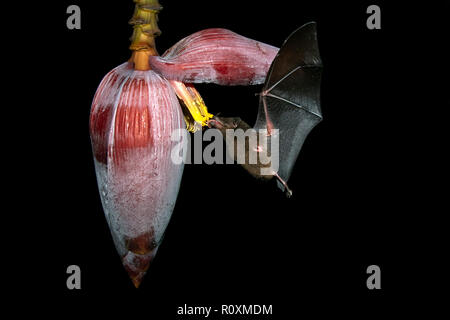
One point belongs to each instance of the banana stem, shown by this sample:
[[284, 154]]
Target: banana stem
[[145, 29]]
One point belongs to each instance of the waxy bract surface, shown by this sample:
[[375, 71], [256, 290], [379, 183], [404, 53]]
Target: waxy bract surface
[[133, 117], [216, 56]]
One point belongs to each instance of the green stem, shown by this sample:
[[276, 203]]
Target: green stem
[[145, 25]]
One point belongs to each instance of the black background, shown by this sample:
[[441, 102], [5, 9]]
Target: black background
[[231, 239]]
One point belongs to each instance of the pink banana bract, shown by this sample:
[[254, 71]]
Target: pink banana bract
[[134, 114], [216, 56], [133, 117]]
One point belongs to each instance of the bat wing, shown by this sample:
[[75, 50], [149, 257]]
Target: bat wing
[[290, 100]]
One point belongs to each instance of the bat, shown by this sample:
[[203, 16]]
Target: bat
[[289, 101]]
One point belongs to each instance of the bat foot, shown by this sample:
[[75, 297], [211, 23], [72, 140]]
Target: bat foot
[[287, 191]]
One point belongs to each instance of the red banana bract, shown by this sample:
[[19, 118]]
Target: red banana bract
[[133, 117], [216, 56]]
